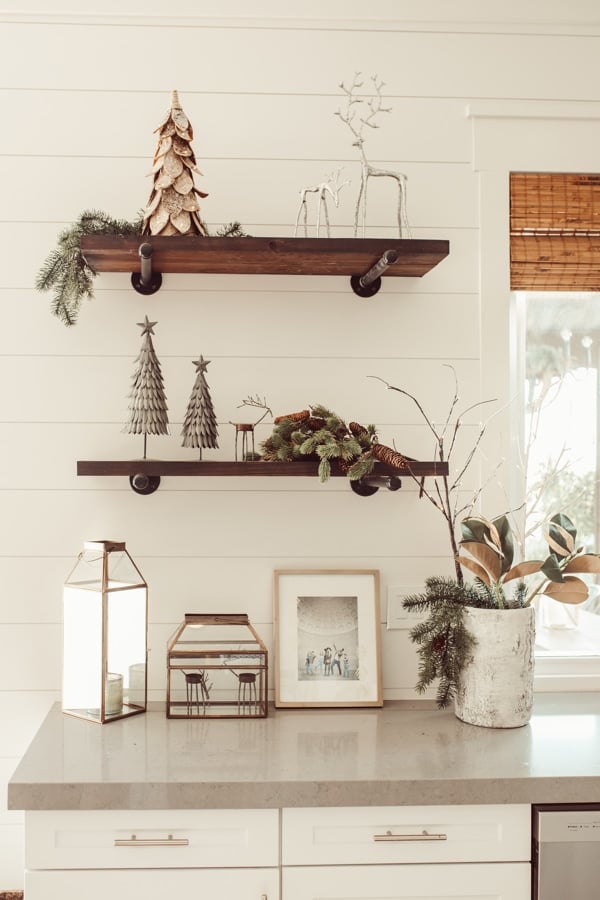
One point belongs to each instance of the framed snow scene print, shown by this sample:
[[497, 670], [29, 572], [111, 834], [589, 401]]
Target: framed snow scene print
[[327, 637]]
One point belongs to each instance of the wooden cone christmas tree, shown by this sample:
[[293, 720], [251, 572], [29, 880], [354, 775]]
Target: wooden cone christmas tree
[[200, 423], [173, 206], [147, 402]]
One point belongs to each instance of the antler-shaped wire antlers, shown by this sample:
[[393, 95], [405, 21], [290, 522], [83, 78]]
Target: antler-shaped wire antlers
[[374, 105]]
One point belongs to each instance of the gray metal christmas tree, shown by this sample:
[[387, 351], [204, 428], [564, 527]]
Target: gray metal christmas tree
[[200, 423], [147, 401]]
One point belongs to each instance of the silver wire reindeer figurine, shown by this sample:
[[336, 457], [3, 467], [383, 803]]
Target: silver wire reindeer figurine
[[351, 116], [332, 187]]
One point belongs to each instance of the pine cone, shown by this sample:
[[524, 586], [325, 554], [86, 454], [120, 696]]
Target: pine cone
[[357, 429], [315, 423], [439, 643], [301, 416], [389, 457]]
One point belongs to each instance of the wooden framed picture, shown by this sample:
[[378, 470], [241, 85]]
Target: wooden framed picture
[[327, 637]]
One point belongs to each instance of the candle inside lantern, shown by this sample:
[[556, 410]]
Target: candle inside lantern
[[137, 683], [113, 694]]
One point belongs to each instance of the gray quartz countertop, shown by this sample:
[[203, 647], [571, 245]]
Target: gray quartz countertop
[[398, 755]]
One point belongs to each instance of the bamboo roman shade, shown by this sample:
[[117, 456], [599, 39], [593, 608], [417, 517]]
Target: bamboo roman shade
[[554, 231]]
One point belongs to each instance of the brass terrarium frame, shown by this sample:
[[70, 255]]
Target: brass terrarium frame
[[206, 658]]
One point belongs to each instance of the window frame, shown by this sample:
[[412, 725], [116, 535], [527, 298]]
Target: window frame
[[513, 136]]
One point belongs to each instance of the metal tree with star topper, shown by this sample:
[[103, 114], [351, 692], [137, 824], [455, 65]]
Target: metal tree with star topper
[[147, 401], [200, 422]]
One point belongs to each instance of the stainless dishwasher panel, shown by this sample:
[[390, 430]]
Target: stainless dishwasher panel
[[566, 853]]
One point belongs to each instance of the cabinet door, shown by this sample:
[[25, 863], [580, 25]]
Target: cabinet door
[[125, 884], [485, 881]]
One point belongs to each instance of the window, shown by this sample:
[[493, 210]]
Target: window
[[561, 409], [555, 250], [509, 138]]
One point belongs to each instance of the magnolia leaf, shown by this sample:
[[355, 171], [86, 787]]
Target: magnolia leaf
[[504, 530], [553, 545], [562, 530], [496, 534], [495, 537], [493, 542], [486, 557], [474, 529], [563, 521], [474, 567], [551, 569], [572, 590], [589, 562], [521, 570]]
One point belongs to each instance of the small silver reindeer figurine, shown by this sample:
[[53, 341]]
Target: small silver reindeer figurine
[[357, 123], [332, 187]]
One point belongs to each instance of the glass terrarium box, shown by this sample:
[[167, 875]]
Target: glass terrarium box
[[105, 629], [217, 666]]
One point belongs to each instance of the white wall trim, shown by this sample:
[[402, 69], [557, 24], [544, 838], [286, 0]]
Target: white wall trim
[[533, 109]]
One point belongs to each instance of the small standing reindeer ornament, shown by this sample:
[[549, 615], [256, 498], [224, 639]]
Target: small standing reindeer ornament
[[357, 124], [331, 187], [247, 428]]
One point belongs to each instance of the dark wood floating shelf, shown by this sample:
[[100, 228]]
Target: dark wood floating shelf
[[145, 474], [246, 469], [262, 256]]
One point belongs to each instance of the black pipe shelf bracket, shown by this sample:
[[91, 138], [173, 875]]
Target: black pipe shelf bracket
[[146, 281], [367, 285], [370, 484], [144, 484]]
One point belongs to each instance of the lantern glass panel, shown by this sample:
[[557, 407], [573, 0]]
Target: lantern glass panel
[[217, 666], [105, 635]]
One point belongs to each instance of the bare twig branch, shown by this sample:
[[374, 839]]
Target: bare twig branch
[[391, 387]]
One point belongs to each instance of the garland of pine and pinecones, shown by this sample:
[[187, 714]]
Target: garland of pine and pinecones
[[318, 433]]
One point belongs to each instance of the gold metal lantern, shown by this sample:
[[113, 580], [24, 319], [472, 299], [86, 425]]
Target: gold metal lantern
[[105, 635], [217, 666]]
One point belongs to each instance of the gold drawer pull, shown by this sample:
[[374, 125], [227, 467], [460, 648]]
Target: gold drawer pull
[[169, 841], [423, 836]]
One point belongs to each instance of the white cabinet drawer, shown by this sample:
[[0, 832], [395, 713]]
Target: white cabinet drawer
[[479, 881], [405, 834], [151, 839], [220, 884]]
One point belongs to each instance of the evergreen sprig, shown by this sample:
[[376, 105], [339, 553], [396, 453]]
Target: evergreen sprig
[[67, 272], [232, 229], [443, 641]]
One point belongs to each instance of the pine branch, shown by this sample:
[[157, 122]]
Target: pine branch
[[67, 272]]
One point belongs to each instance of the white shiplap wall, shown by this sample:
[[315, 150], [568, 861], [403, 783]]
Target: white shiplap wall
[[81, 93]]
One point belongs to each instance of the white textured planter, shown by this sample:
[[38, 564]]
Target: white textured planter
[[496, 685]]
